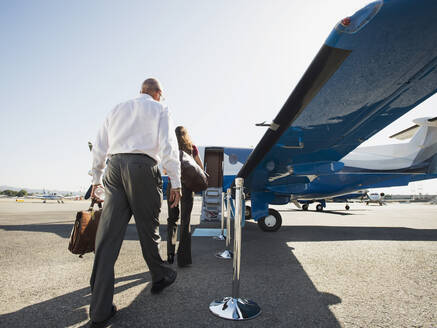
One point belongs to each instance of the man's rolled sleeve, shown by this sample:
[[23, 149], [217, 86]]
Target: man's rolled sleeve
[[169, 149]]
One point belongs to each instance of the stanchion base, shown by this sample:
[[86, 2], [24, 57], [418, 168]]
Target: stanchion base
[[226, 255], [235, 309], [220, 237]]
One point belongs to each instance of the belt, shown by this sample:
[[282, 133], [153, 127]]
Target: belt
[[131, 154]]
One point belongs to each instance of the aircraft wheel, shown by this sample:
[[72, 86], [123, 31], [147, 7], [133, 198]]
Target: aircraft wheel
[[44, 201], [247, 213], [319, 207], [347, 207], [305, 207], [271, 222]]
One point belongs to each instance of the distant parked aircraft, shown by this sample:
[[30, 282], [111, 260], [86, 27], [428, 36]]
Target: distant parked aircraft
[[48, 196], [375, 197], [359, 194]]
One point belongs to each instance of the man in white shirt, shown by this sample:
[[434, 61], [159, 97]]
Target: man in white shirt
[[135, 137]]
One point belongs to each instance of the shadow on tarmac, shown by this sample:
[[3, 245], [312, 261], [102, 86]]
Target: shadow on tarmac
[[295, 233], [64, 230], [66, 310], [338, 212], [271, 275]]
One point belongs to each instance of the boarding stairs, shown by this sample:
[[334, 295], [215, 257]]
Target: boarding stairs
[[211, 204]]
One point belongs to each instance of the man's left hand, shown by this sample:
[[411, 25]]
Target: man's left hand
[[93, 195]]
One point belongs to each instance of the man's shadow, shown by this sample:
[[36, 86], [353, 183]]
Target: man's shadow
[[66, 310]]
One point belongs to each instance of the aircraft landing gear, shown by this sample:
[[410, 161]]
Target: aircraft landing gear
[[319, 207], [305, 207], [347, 207], [271, 222]]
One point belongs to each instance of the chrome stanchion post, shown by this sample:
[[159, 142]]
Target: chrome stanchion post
[[227, 254], [222, 236], [237, 240], [236, 307], [228, 218]]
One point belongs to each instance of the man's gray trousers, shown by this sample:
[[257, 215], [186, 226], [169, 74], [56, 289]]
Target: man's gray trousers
[[133, 186]]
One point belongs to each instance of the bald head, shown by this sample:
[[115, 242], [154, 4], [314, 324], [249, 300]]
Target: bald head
[[152, 87]]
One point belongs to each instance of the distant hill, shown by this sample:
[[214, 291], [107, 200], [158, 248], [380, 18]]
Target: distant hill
[[40, 191]]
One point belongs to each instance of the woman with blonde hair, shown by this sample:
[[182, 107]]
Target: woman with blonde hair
[[186, 205]]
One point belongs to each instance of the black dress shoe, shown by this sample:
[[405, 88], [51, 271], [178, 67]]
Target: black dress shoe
[[170, 258], [158, 286], [101, 324]]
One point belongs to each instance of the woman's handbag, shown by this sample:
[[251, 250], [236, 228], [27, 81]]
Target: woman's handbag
[[193, 177], [83, 234]]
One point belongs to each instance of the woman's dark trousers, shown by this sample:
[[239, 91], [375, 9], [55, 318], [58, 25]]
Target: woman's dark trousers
[[186, 206]]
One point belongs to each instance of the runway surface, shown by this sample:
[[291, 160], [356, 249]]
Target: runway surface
[[371, 266]]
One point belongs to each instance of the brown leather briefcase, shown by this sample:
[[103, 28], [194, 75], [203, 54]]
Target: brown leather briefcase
[[83, 234]]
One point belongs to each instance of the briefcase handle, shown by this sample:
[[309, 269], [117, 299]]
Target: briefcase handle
[[93, 202]]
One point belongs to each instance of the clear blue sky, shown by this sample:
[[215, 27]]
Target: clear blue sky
[[224, 65]]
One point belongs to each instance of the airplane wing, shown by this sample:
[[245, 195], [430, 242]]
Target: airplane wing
[[374, 67]]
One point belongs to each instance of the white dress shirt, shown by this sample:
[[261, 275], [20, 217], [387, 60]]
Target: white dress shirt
[[140, 126]]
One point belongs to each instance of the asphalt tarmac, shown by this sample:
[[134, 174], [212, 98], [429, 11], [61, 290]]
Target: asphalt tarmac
[[371, 266]]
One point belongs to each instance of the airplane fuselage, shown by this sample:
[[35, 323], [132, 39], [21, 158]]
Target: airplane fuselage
[[319, 181]]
